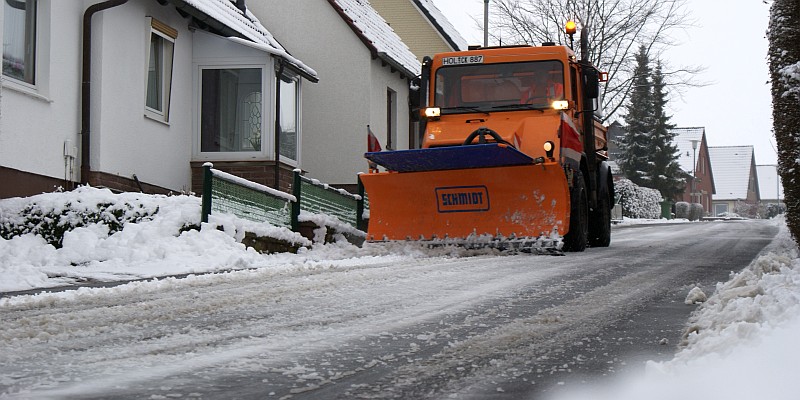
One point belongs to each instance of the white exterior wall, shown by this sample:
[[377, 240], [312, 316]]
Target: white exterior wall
[[124, 141], [35, 121], [382, 79], [351, 92]]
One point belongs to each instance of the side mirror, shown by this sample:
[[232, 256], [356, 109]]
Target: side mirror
[[591, 79]]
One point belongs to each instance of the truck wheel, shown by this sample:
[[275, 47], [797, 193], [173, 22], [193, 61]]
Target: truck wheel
[[600, 220], [575, 240]]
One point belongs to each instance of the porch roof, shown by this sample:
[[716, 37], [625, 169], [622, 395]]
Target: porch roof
[[224, 17]]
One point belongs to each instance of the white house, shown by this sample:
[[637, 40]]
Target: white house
[[153, 89], [769, 184], [735, 179], [365, 71]]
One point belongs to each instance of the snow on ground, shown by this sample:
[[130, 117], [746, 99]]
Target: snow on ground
[[742, 342], [649, 221], [154, 247]]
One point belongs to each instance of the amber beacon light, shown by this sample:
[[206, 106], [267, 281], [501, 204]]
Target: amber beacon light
[[571, 27]]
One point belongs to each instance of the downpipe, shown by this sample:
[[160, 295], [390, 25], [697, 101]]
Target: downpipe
[[86, 75]]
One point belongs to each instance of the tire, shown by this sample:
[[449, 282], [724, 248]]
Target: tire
[[577, 237], [600, 220]]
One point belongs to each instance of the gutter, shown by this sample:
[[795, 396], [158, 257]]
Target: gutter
[[86, 99]]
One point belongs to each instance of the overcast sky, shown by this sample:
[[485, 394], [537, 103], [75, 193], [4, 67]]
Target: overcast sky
[[735, 108]]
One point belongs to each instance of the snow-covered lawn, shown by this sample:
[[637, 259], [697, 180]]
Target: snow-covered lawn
[[743, 341]]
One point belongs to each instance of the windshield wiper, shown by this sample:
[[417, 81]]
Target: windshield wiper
[[537, 107], [465, 108]]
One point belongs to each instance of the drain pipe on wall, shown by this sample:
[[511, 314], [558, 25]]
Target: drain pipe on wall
[[86, 104]]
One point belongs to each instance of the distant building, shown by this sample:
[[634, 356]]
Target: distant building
[[615, 133], [769, 185], [694, 160], [421, 26], [736, 180]]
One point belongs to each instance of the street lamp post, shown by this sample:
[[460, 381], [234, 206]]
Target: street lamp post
[[485, 23], [694, 171]]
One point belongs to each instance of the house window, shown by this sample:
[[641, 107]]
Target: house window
[[719, 209], [391, 119], [231, 107], [159, 69], [289, 116], [19, 40]]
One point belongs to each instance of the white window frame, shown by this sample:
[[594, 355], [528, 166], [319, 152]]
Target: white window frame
[[298, 119], [168, 35], [267, 115], [39, 89]]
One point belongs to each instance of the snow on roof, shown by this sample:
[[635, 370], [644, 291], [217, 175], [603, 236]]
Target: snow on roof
[[683, 141], [769, 186], [377, 34], [731, 168], [450, 33], [247, 25]]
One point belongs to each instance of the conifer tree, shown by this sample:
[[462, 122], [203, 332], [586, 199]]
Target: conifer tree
[[784, 66], [666, 175], [635, 144]]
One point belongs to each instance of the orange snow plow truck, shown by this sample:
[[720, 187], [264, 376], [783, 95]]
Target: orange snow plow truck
[[512, 155]]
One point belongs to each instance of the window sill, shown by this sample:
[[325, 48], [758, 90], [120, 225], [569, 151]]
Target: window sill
[[25, 89], [231, 156], [156, 118]]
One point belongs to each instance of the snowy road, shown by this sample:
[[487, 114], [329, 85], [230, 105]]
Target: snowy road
[[482, 327]]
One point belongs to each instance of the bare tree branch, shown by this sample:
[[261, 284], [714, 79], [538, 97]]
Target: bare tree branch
[[616, 30]]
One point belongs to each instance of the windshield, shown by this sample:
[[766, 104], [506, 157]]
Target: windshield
[[484, 87]]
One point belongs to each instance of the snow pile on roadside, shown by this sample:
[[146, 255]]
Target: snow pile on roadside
[[156, 245], [159, 243], [741, 344], [650, 221]]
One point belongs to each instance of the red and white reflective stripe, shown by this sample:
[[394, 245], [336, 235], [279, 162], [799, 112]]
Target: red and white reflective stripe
[[571, 145]]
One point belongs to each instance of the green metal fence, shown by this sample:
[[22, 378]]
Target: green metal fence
[[223, 192], [319, 198]]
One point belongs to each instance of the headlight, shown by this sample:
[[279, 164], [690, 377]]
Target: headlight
[[548, 148], [560, 105], [433, 112]]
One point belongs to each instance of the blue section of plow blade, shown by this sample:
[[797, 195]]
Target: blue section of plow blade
[[452, 157]]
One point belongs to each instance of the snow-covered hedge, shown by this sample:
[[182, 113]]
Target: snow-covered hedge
[[51, 220], [690, 211], [682, 210], [696, 211], [637, 201]]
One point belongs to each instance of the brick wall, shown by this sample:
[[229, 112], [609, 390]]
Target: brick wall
[[123, 184], [16, 183]]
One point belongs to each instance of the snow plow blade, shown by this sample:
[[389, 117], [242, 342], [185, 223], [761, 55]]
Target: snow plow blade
[[523, 200]]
